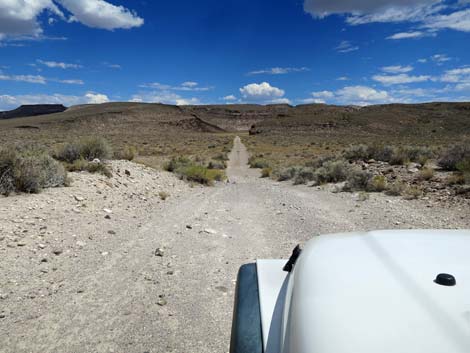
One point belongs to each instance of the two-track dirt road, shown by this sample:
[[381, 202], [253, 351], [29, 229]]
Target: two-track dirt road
[[130, 300]]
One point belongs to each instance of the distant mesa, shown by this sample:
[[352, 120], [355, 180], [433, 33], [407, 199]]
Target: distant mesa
[[32, 110]]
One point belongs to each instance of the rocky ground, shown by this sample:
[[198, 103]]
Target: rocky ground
[[107, 266]]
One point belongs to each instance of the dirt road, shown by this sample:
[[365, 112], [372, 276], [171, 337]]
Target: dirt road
[[119, 296]]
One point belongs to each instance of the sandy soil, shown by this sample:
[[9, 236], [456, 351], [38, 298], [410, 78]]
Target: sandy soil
[[159, 276]]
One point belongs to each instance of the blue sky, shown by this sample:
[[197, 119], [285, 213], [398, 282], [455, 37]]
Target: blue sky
[[234, 51]]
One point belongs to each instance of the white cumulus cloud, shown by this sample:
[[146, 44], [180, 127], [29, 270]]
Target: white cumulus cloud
[[323, 94], [433, 15], [96, 98], [261, 92], [19, 18], [102, 14], [13, 101], [361, 95]]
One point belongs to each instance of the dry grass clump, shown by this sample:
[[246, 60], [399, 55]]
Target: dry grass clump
[[128, 153], [29, 169], [412, 193], [266, 172], [426, 174], [377, 183], [191, 171], [395, 189]]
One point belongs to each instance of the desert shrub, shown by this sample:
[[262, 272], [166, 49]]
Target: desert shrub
[[200, 174], [426, 174], [69, 153], [318, 162], [416, 154], [304, 175], [382, 153], [464, 168], [454, 155], [256, 162], [333, 171], [412, 193], [221, 157], [266, 172], [82, 165], [128, 153], [455, 179], [29, 169], [217, 165], [357, 179], [287, 173], [176, 163], [356, 153], [163, 195], [395, 189], [377, 184], [95, 148], [89, 148], [363, 152]]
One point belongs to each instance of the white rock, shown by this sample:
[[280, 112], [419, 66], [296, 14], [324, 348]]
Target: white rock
[[210, 231], [81, 244], [107, 210]]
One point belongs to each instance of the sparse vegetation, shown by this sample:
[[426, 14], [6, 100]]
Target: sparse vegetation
[[191, 171], [390, 154], [453, 156], [258, 162], [29, 169], [82, 165], [220, 165]]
